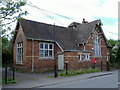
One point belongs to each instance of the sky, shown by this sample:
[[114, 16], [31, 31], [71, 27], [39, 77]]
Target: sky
[[64, 12]]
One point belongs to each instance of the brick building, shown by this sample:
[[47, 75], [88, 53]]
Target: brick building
[[39, 46]]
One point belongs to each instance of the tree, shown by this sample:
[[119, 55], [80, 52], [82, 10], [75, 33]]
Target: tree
[[118, 55], [10, 11], [6, 51], [115, 55], [112, 42]]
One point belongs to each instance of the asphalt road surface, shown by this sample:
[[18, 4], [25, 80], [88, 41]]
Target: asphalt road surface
[[107, 81]]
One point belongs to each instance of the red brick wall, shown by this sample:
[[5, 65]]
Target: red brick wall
[[48, 64], [104, 49], [73, 57], [74, 62], [39, 64], [19, 34]]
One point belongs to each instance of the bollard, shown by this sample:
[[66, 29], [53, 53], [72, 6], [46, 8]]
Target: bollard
[[13, 73], [66, 63], [66, 68], [5, 75], [55, 71], [101, 66], [94, 65]]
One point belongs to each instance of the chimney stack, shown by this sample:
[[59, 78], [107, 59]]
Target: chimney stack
[[84, 21]]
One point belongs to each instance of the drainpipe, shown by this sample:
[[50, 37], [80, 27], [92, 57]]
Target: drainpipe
[[32, 55]]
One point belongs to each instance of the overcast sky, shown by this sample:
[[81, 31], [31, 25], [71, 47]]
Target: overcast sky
[[76, 10]]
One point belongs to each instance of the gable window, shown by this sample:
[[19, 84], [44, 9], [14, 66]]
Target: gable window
[[97, 46], [46, 50], [86, 57], [19, 52]]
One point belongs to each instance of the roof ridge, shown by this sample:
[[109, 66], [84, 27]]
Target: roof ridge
[[45, 23]]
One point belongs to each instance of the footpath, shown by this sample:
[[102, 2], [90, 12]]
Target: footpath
[[34, 80]]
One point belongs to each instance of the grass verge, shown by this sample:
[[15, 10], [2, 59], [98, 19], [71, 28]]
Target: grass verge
[[78, 72], [9, 81]]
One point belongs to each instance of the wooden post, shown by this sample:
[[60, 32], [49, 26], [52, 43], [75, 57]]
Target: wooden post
[[5, 75], [94, 65], [66, 68], [13, 73], [101, 66], [55, 71], [66, 63]]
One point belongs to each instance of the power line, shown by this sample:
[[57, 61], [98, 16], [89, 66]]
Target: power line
[[111, 32], [70, 18], [46, 14], [51, 17]]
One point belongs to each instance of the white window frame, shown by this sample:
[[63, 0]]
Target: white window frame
[[86, 57], [19, 59], [97, 46], [80, 57], [44, 49]]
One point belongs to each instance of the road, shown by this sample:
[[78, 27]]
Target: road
[[107, 81]]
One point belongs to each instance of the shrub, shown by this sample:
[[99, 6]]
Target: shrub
[[77, 72], [9, 81]]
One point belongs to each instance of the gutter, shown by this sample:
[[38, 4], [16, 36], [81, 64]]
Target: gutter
[[79, 50], [47, 41]]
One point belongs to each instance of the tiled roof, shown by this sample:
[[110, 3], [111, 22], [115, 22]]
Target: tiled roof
[[67, 38]]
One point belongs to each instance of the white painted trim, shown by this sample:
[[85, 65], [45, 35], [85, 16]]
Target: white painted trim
[[19, 62], [59, 46], [47, 49], [85, 58]]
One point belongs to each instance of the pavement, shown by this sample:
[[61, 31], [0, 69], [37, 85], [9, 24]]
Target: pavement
[[34, 80]]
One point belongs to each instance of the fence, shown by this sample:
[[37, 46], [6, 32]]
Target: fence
[[8, 73], [76, 66]]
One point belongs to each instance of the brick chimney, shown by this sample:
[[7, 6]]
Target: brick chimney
[[84, 21]]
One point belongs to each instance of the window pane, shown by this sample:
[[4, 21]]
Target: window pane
[[46, 46], [46, 53], [50, 53], [41, 53], [19, 57], [19, 52], [41, 46], [50, 46]]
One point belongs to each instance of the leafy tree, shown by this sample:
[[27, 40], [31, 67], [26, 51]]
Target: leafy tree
[[115, 55], [6, 51], [10, 11], [112, 42], [118, 55]]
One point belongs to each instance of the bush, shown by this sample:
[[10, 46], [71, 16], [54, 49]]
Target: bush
[[77, 72], [9, 81]]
